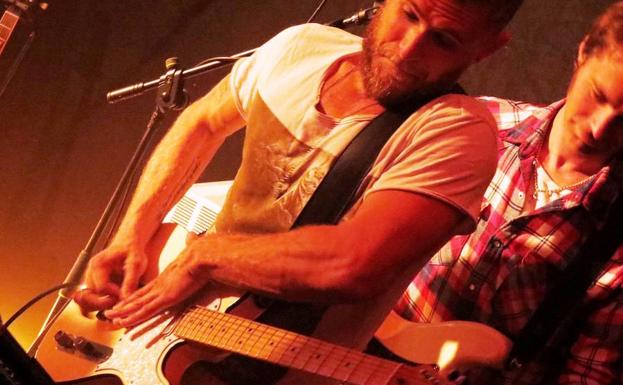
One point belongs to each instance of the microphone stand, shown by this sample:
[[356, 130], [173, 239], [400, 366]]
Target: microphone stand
[[170, 95]]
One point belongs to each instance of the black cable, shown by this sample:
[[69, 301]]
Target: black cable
[[313, 16], [36, 299], [233, 59]]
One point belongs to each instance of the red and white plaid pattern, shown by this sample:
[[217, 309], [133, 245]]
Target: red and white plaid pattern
[[498, 275]]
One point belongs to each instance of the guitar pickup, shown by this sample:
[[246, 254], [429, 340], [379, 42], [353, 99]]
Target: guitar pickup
[[82, 347]]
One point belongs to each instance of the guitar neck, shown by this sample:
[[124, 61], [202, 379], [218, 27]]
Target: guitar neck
[[281, 347], [7, 25]]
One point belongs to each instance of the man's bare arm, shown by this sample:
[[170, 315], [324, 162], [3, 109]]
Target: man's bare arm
[[389, 238], [175, 164]]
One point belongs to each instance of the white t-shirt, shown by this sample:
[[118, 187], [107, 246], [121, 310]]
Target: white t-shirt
[[446, 150]]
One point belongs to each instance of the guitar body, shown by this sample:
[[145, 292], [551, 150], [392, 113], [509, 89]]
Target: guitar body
[[212, 340], [146, 354]]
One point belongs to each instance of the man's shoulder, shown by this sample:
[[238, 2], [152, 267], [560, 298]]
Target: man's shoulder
[[510, 113], [320, 34], [456, 106]]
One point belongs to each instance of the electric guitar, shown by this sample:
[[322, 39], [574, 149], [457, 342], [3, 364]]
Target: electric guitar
[[200, 344], [16, 23]]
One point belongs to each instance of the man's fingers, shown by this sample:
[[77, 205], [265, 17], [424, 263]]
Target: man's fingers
[[142, 292], [99, 277], [136, 300], [135, 313], [89, 301], [133, 271]]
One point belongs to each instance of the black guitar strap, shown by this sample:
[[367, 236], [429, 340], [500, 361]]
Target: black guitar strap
[[329, 202], [564, 301], [335, 193]]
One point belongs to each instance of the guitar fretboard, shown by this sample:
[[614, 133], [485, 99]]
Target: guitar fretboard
[[281, 347], [7, 25]]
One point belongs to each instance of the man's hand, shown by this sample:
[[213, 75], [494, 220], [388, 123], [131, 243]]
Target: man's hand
[[112, 274], [181, 279]]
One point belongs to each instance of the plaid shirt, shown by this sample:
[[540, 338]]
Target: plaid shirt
[[498, 275]]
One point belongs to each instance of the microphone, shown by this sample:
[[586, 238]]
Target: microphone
[[361, 17]]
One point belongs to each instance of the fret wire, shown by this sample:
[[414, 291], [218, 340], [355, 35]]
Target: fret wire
[[236, 327], [361, 372], [347, 365], [218, 334], [262, 335], [306, 351], [214, 322], [184, 324], [196, 329], [225, 334], [322, 351], [280, 335], [333, 361], [370, 365], [234, 339], [292, 348], [239, 329], [267, 345]]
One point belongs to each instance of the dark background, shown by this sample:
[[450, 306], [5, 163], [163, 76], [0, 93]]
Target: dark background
[[63, 147]]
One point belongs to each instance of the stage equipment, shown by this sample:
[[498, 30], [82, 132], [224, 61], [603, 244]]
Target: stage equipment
[[16, 367], [16, 23]]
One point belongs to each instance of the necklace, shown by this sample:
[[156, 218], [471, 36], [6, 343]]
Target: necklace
[[546, 190]]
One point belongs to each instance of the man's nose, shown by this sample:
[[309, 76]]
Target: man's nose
[[413, 39]]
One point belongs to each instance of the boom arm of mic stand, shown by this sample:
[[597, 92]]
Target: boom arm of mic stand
[[139, 88], [361, 17]]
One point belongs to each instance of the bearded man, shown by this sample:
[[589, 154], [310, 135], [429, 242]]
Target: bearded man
[[302, 97]]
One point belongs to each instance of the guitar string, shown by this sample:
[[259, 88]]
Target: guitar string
[[365, 360], [291, 341], [375, 364]]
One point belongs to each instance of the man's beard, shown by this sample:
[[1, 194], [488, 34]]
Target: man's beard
[[393, 92]]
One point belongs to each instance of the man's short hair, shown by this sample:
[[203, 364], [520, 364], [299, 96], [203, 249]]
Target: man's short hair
[[500, 12], [606, 31]]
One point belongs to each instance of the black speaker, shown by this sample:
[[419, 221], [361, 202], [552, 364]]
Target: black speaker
[[17, 367]]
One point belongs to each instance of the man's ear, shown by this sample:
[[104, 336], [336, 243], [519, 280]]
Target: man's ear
[[581, 57], [500, 41]]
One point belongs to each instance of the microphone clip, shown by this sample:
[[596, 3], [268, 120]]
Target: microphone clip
[[361, 17]]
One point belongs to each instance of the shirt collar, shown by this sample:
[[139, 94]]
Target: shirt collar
[[597, 196]]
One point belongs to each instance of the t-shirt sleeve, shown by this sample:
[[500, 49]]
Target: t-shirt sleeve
[[247, 73], [446, 150]]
